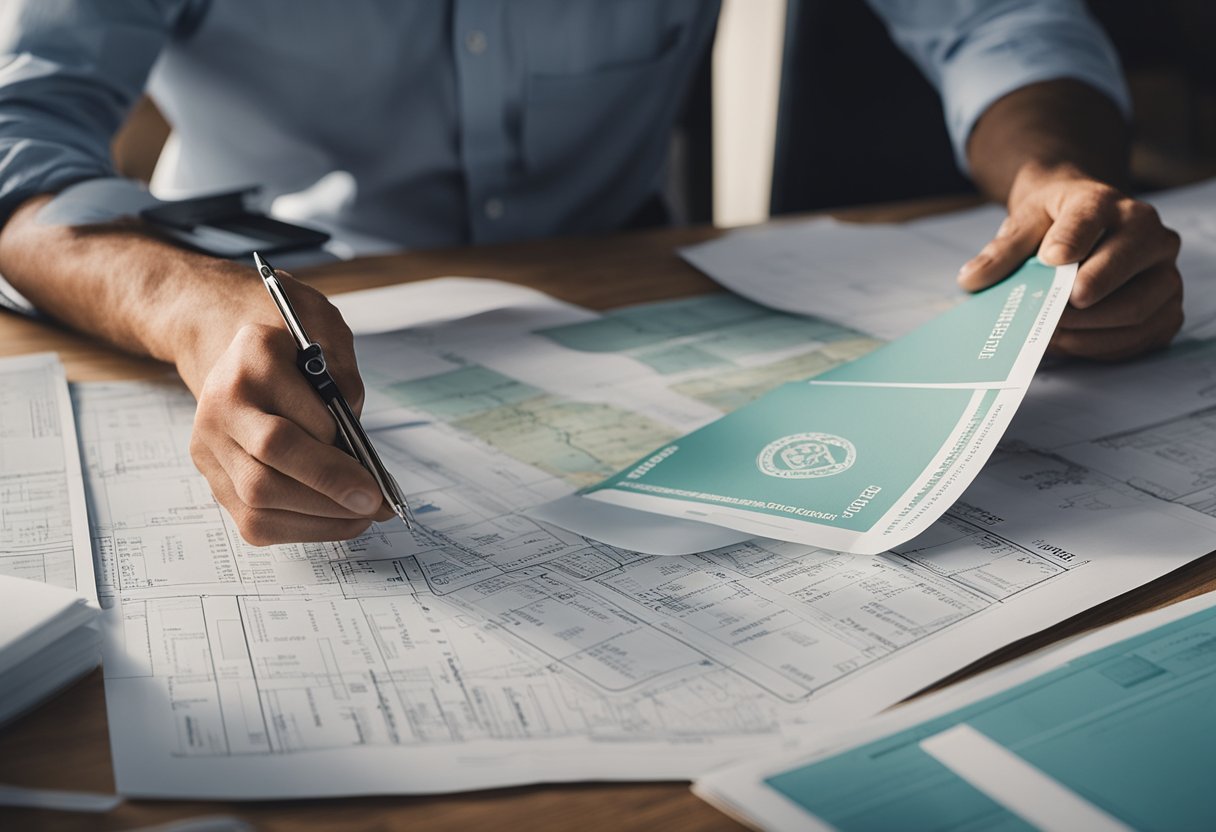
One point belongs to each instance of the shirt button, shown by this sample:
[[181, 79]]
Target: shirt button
[[475, 42], [494, 208]]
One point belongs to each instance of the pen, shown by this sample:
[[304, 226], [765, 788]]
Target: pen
[[311, 362]]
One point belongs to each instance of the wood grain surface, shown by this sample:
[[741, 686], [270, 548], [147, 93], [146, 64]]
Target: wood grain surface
[[65, 744]]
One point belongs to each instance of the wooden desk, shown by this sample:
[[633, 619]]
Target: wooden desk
[[65, 744]]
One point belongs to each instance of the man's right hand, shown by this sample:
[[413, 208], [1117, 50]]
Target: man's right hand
[[262, 436]]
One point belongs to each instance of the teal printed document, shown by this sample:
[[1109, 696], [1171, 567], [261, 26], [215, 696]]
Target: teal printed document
[[1110, 732], [871, 453]]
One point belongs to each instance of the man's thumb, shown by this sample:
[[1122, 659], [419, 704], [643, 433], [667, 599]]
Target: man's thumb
[[1016, 239]]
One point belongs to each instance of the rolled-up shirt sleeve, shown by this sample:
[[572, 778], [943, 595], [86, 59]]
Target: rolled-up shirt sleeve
[[977, 51], [70, 70]]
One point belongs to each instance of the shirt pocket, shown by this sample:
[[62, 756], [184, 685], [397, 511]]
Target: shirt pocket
[[595, 116]]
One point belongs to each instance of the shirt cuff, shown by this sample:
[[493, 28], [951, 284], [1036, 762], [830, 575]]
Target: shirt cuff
[[990, 67], [29, 167]]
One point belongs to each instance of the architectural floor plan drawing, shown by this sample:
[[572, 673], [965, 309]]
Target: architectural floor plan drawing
[[44, 531], [488, 649]]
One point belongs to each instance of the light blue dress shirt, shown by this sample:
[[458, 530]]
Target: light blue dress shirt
[[454, 122]]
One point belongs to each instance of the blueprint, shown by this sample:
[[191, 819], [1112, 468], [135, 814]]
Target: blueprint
[[486, 648], [44, 533]]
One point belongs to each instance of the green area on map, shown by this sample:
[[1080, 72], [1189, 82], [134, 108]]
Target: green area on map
[[713, 331], [580, 442]]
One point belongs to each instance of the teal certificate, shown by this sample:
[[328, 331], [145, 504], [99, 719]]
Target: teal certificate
[[868, 455]]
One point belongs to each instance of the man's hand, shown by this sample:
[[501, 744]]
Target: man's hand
[[1047, 150], [262, 436], [1128, 295]]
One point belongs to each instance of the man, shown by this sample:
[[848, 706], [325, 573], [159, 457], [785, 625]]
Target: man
[[479, 121]]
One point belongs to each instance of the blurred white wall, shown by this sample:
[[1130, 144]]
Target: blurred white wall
[[746, 79]]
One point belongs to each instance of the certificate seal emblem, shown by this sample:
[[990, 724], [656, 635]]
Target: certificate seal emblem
[[806, 455]]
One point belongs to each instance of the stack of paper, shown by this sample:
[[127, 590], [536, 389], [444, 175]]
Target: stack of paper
[[48, 595], [48, 637]]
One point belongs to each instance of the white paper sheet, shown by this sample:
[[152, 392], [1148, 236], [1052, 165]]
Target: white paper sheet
[[886, 279], [432, 301], [1080, 402], [488, 649]]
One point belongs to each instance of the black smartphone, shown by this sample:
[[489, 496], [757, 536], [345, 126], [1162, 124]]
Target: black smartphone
[[222, 226]]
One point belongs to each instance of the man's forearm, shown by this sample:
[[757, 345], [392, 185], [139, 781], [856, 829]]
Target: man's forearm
[[116, 282], [1054, 125]]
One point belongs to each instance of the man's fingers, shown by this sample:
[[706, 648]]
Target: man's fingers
[[263, 374], [267, 377], [1015, 240], [289, 450], [324, 322], [260, 486], [1140, 242], [1076, 229], [1118, 343], [264, 440], [1128, 294], [263, 527], [206, 462], [1135, 302], [1061, 245]]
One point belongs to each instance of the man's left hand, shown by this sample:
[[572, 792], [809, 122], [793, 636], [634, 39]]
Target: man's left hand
[[1127, 298]]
